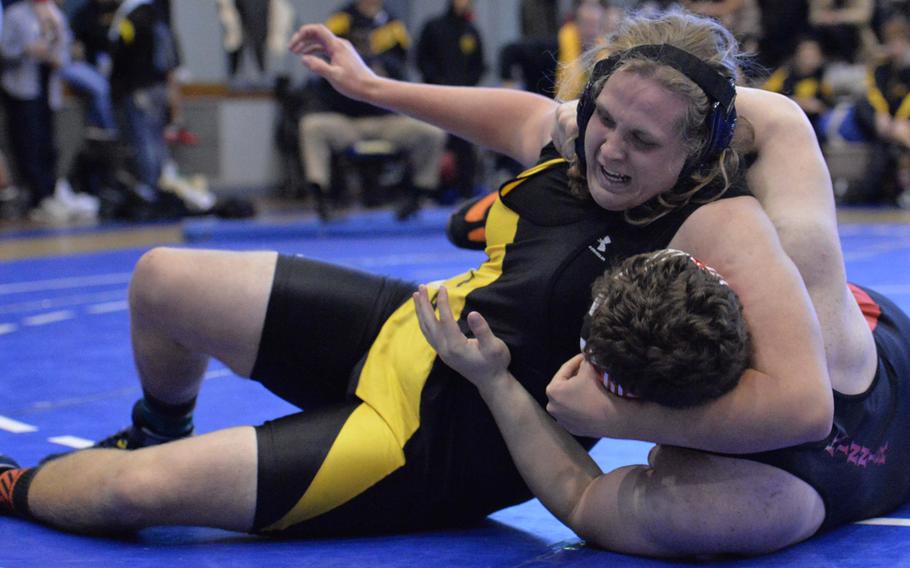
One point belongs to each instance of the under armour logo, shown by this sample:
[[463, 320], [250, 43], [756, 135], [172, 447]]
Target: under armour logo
[[601, 247]]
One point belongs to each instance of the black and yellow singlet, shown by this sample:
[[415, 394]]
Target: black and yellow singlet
[[414, 446]]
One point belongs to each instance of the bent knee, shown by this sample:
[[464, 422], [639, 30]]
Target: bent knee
[[707, 504], [155, 277], [317, 123]]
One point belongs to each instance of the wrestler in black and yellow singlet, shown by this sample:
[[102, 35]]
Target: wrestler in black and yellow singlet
[[391, 439]]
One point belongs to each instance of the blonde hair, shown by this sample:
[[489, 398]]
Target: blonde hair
[[712, 43]]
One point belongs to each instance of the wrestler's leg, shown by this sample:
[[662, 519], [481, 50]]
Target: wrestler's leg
[[695, 503], [208, 480], [187, 305], [329, 471]]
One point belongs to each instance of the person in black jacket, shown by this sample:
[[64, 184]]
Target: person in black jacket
[[450, 52], [144, 54]]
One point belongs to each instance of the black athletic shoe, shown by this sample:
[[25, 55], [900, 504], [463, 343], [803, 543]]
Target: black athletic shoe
[[466, 226], [130, 438], [134, 437]]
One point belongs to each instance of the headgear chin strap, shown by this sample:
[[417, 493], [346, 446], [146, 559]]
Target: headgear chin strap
[[720, 90]]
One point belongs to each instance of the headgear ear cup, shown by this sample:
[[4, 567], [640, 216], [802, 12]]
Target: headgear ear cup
[[720, 90], [723, 124]]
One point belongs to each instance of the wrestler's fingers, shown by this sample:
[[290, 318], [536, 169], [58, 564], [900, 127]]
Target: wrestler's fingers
[[310, 33], [481, 330], [316, 64], [311, 48], [446, 317], [426, 316], [448, 326]]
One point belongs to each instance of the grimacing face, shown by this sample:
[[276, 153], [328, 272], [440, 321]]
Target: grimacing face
[[633, 143]]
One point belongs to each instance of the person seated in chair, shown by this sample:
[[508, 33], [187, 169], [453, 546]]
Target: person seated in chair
[[382, 41]]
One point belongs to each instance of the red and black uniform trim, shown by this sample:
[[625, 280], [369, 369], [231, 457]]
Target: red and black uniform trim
[[862, 468]]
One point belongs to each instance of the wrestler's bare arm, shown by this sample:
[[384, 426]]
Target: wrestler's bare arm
[[785, 399], [791, 180], [683, 503], [512, 122]]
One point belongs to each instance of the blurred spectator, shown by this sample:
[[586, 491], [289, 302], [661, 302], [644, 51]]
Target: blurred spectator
[[844, 27], [91, 23], [450, 52], [144, 55], [260, 28], [742, 17], [539, 64], [529, 63], [293, 102], [539, 19], [245, 26], [89, 65], [545, 65], [591, 22], [885, 116], [783, 22], [382, 41], [450, 49], [8, 193], [33, 50], [803, 80], [884, 9]]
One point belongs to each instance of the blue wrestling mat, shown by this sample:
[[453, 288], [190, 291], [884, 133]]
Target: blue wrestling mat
[[68, 378]]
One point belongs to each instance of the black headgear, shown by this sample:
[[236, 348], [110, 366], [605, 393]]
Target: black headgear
[[720, 90]]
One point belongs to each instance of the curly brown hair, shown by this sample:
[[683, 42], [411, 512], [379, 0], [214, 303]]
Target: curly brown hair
[[668, 330]]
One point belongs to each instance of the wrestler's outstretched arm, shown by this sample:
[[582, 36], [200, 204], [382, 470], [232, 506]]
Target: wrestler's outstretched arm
[[557, 469], [682, 503], [509, 121]]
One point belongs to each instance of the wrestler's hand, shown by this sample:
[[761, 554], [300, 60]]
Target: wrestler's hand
[[482, 360], [565, 129], [333, 58], [581, 404]]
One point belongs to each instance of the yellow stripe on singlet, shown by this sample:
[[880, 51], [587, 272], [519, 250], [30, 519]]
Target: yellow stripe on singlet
[[370, 445], [528, 173]]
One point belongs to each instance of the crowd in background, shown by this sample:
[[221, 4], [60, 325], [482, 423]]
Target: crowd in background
[[120, 59], [845, 62]]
